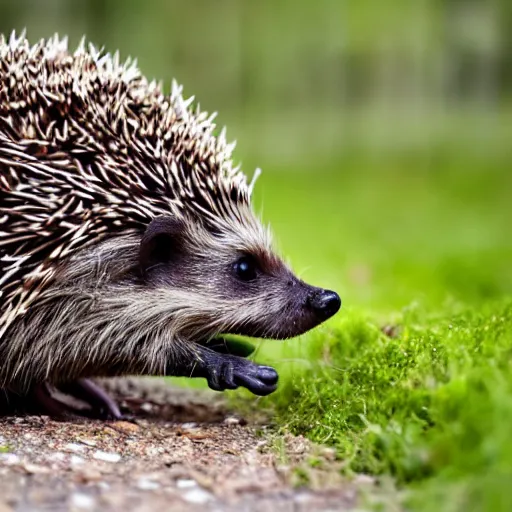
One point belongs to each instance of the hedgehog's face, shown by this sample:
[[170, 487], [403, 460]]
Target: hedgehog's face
[[236, 286]]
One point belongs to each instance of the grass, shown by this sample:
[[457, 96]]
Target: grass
[[424, 246], [433, 404]]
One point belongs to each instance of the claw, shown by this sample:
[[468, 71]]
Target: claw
[[228, 376], [102, 405], [268, 375], [261, 381], [214, 381]]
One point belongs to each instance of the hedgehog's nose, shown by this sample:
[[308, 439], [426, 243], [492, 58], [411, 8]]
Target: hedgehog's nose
[[325, 303]]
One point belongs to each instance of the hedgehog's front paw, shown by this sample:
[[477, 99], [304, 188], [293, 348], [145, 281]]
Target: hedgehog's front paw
[[261, 380], [233, 372]]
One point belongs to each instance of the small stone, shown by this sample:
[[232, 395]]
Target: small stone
[[363, 479], [106, 457], [231, 420], [126, 427], [145, 484], [198, 496], [189, 426], [152, 451], [56, 456], [9, 458], [283, 469], [185, 483], [329, 454], [80, 501], [303, 497], [74, 447], [34, 469], [146, 407], [76, 460]]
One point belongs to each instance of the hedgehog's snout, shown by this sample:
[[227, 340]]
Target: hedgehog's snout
[[324, 303]]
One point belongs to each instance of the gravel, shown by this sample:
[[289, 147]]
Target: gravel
[[183, 451]]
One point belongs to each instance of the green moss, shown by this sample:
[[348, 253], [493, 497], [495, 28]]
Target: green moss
[[434, 404], [300, 477], [314, 462]]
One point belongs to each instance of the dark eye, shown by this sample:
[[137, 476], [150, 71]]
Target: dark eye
[[245, 269]]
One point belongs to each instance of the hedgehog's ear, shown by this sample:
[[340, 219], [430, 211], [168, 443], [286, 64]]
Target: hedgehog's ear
[[161, 242]]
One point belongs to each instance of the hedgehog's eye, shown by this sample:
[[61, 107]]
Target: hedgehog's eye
[[245, 269]]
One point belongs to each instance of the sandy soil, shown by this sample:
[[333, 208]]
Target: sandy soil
[[183, 451]]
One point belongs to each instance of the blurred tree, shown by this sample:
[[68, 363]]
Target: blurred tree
[[297, 71]]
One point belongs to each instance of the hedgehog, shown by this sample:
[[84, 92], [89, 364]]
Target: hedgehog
[[128, 244]]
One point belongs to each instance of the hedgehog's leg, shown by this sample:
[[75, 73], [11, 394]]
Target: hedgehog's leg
[[226, 371], [41, 401], [102, 405]]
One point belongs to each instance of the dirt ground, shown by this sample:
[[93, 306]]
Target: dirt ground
[[184, 451]]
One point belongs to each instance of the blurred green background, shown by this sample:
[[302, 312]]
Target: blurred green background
[[383, 128]]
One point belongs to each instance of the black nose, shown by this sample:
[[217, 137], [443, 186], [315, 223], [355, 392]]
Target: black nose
[[325, 303]]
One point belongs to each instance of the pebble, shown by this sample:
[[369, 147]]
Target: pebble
[[126, 427], [303, 497], [231, 420], [9, 458], [363, 479], [329, 454], [189, 426], [56, 456], [198, 496], [76, 460], [75, 447], [34, 469], [146, 407], [106, 457], [80, 501], [185, 483], [145, 484], [151, 451]]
